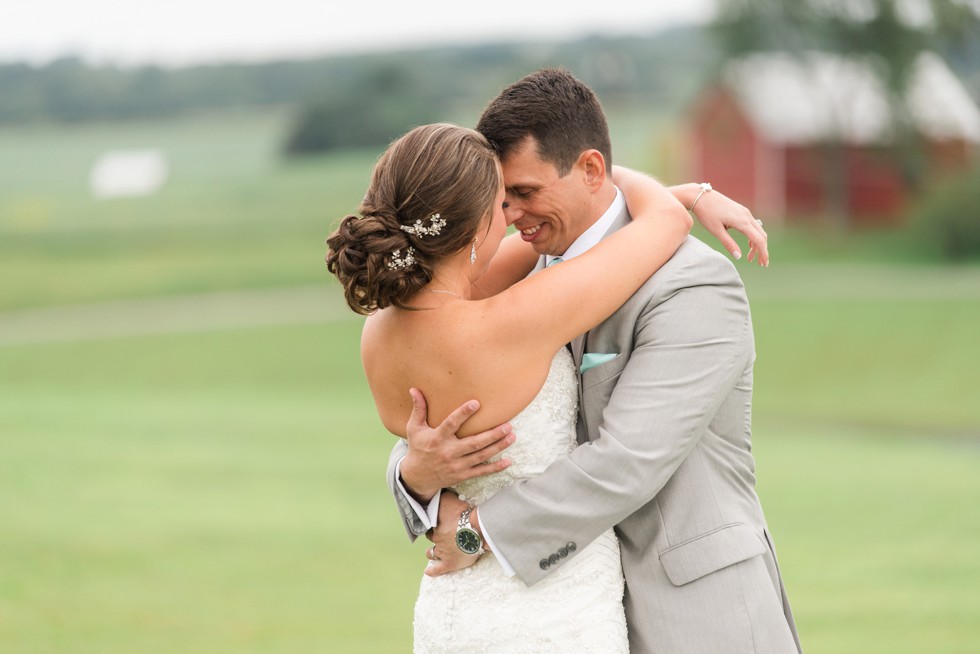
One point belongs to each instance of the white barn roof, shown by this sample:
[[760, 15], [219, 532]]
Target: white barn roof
[[821, 97]]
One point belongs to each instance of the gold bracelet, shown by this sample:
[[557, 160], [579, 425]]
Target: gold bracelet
[[705, 187]]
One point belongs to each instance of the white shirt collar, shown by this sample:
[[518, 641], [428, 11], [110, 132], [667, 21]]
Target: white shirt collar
[[593, 234]]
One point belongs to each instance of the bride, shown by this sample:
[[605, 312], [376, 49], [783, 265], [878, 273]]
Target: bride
[[452, 312]]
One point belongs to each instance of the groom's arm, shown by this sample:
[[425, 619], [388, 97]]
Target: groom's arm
[[690, 351], [415, 516], [420, 466]]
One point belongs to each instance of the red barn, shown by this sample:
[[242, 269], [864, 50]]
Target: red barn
[[812, 136]]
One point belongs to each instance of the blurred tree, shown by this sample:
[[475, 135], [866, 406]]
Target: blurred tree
[[659, 70], [893, 31], [945, 219], [372, 111], [890, 34]]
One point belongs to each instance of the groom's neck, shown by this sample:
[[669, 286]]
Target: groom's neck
[[603, 199]]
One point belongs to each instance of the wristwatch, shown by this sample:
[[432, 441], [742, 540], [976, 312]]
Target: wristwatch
[[468, 540]]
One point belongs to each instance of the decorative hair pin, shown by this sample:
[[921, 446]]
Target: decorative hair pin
[[396, 262], [419, 230]]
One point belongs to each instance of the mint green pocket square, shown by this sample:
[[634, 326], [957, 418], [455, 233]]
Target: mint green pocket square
[[591, 360]]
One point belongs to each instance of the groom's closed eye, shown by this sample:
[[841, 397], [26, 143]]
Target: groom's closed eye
[[523, 192]]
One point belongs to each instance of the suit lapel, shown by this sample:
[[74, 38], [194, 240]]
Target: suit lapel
[[578, 349], [579, 344]]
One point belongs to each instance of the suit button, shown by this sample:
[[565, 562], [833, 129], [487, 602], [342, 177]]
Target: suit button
[[571, 547], [544, 564], [553, 559], [563, 552]]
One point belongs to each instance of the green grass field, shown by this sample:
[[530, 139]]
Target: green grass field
[[221, 490]]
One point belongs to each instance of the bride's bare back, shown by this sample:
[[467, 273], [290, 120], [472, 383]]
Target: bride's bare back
[[449, 353]]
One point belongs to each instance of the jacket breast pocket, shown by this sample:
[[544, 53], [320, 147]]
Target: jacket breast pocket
[[604, 372], [707, 553]]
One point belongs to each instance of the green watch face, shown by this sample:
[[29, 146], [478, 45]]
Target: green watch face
[[468, 540]]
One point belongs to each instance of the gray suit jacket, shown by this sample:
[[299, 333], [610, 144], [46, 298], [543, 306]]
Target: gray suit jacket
[[665, 457]]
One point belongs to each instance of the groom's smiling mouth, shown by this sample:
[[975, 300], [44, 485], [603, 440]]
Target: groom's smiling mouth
[[528, 233]]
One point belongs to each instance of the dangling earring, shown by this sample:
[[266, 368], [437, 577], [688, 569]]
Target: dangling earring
[[473, 253]]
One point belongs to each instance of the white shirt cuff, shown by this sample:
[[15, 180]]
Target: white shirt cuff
[[429, 515], [504, 564]]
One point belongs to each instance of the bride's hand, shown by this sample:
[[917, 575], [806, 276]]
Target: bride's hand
[[718, 213], [437, 458]]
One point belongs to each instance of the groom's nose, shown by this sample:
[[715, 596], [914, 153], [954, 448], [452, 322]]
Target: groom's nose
[[512, 212]]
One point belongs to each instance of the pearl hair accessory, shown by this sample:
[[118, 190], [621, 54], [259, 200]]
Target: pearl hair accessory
[[396, 262], [419, 230]]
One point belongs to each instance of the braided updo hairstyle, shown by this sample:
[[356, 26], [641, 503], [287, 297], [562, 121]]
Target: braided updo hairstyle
[[433, 169]]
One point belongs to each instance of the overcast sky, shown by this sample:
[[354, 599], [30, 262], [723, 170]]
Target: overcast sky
[[178, 32]]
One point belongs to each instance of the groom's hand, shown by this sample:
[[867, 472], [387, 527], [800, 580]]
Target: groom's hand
[[437, 458], [448, 556]]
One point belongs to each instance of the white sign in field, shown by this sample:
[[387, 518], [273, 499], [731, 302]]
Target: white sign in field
[[128, 173]]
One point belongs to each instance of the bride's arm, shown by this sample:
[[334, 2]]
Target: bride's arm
[[718, 213], [564, 301]]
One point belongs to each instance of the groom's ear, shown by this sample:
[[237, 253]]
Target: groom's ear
[[592, 166]]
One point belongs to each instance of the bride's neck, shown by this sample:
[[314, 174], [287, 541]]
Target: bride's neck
[[453, 276]]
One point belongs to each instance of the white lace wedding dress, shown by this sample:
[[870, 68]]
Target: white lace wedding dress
[[577, 608]]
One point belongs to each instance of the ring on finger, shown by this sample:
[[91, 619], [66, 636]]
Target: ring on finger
[[758, 221], [431, 554]]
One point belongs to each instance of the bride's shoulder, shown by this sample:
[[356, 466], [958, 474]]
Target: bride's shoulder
[[392, 339]]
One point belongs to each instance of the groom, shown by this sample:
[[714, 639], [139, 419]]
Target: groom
[[664, 418]]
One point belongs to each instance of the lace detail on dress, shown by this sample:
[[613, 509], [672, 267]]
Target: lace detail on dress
[[577, 608], [545, 431]]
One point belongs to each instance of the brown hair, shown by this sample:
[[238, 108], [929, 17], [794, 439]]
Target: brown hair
[[559, 111], [433, 169]]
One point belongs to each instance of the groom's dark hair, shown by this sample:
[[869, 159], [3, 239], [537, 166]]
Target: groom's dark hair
[[554, 107]]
